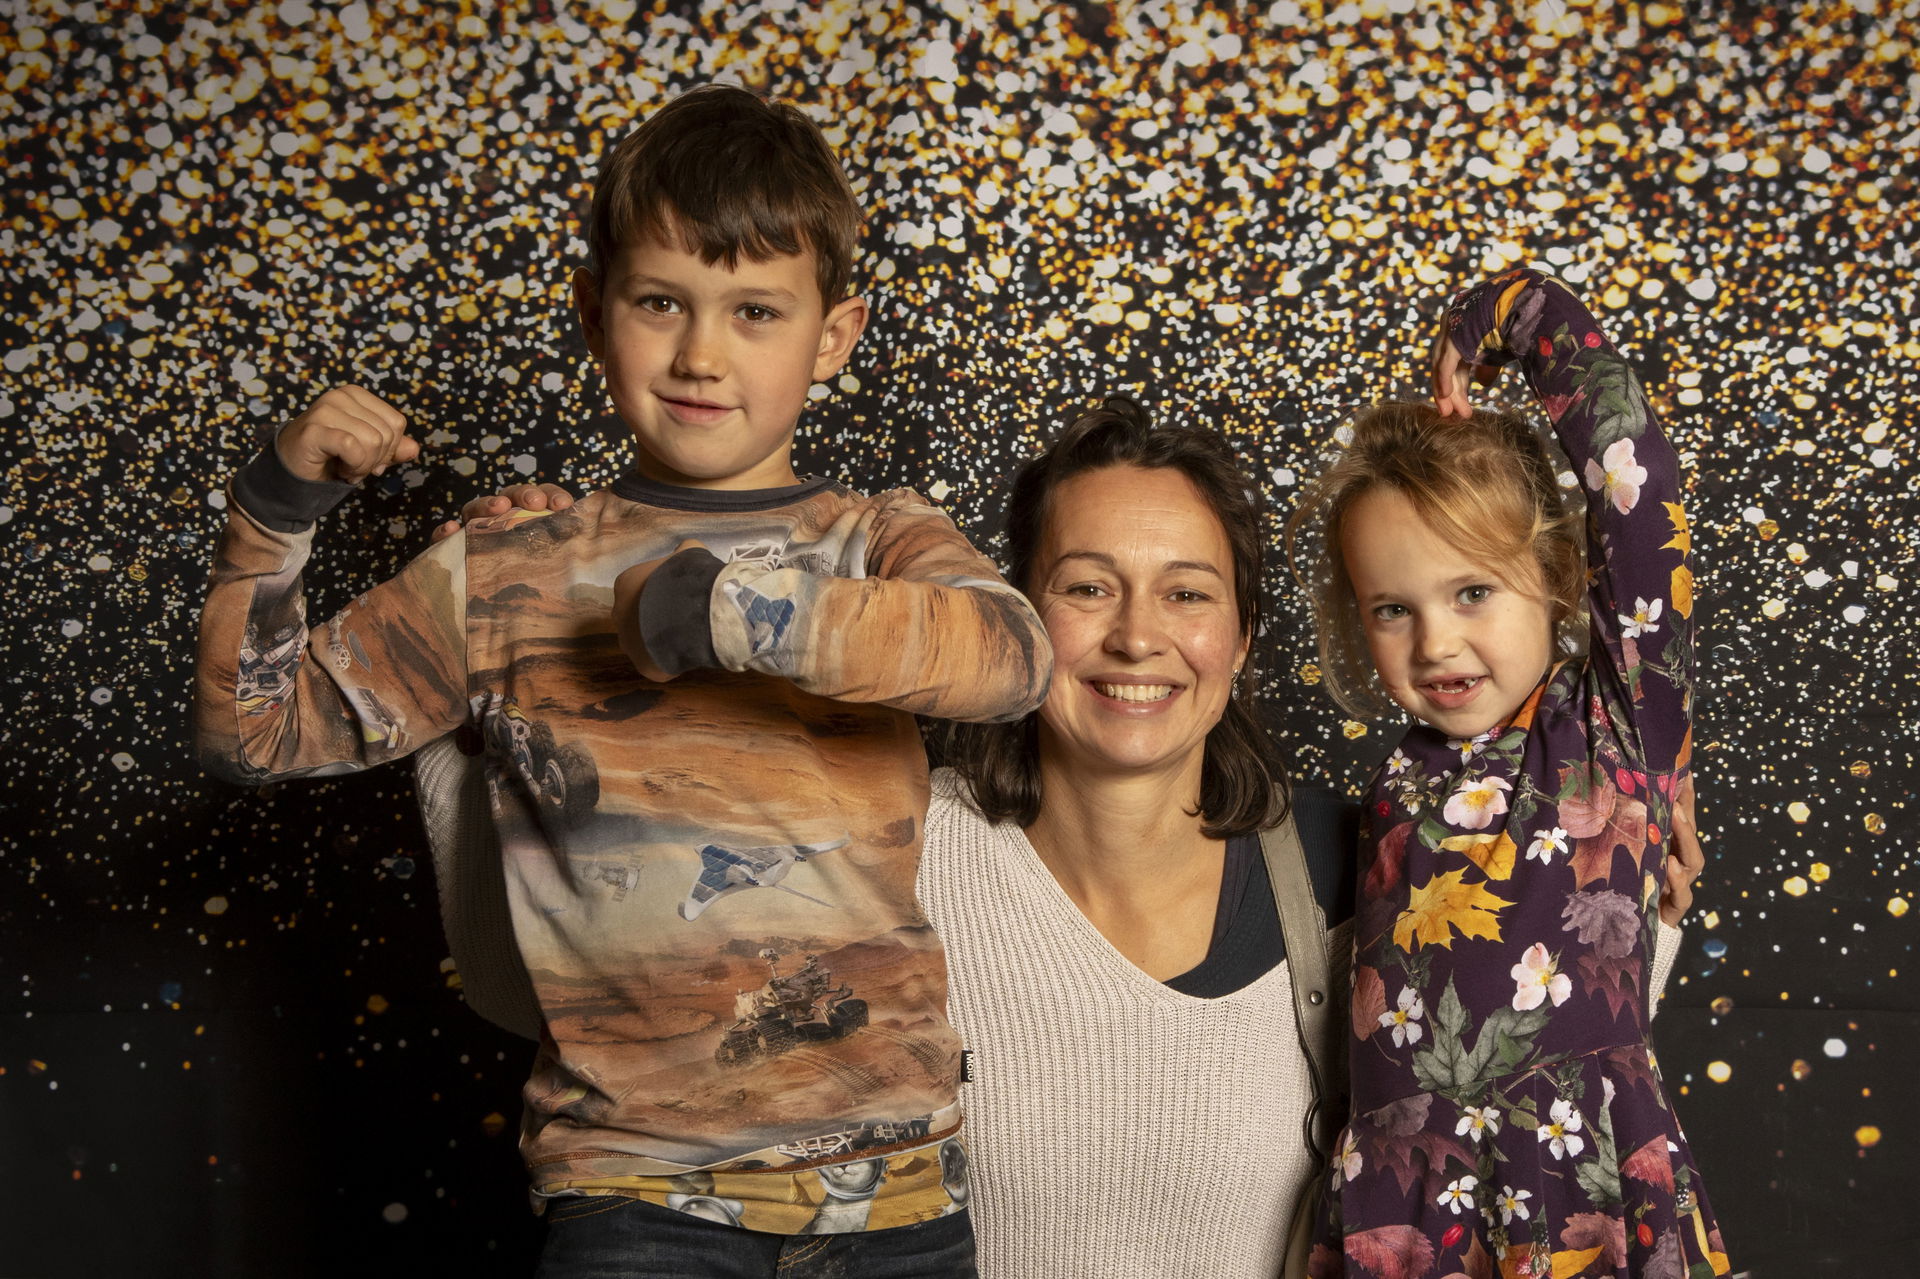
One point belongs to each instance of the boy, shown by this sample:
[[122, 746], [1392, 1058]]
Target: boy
[[696, 691]]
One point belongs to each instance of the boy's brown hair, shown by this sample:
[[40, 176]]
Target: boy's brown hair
[[727, 174], [1488, 485]]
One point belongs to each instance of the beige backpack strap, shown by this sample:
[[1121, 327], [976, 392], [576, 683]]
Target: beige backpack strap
[[1304, 929]]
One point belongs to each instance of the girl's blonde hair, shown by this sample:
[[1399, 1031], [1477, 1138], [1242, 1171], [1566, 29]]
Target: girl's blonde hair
[[1488, 485]]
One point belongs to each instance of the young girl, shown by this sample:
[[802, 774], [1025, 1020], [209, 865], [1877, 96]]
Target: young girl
[[1507, 1116]]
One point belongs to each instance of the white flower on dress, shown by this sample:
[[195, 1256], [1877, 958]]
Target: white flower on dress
[[1476, 804], [1398, 762], [1405, 1019], [1617, 476], [1560, 1132], [1477, 1120], [1546, 844], [1510, 1205], [1643, 620], [1537, 978], [1458, 1194], [1347, 1165]]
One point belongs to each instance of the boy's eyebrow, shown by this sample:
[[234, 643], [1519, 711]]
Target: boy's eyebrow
[[1107, 561], [760, 292]]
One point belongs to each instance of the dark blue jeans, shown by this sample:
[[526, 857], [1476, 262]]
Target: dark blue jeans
[[615, 1237]]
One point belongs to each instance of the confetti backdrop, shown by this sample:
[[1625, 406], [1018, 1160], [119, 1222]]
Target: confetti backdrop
[[230, 1043]]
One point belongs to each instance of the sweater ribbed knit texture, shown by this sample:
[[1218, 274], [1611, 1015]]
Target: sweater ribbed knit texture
[[1117, 1127]]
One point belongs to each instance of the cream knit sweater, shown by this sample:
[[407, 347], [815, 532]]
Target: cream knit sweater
[[1117, 1127]]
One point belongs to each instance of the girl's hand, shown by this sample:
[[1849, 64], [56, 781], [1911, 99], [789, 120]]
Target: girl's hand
[[528, 497], [1450, 375]]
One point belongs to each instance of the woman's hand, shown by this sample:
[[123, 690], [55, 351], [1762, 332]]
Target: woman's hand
[[1685, 860], [528, 497]]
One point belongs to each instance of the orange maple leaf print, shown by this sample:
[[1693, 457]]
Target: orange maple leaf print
[[1444, 905]]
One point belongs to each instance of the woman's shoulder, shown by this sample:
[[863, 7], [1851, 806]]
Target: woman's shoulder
[[951, 812]]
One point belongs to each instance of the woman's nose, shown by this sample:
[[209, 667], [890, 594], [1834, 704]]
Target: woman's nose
[[1136, 631]]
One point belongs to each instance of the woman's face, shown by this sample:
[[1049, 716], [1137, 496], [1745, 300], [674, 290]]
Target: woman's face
[[1134, 580]]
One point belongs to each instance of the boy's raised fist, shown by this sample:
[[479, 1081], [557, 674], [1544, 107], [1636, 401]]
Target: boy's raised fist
[[347, 434]]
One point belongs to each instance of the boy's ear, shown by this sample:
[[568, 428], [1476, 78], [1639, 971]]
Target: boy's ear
[[842, 329], [586, 303]]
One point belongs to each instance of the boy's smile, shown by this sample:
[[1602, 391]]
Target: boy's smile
[[1455, 643], [709, 366]]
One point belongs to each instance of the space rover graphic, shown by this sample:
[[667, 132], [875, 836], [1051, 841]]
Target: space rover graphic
[[562, 778], [803, 1006]]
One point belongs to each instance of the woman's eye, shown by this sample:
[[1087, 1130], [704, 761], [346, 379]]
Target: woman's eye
[[1082, 590], [1188, 597]]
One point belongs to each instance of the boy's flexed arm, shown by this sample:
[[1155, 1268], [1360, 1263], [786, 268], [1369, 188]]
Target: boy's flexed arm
[[931, 628], [384, 676], [1640, 584]]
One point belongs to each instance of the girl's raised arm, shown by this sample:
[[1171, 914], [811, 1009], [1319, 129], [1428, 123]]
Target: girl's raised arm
[[1640, 586]]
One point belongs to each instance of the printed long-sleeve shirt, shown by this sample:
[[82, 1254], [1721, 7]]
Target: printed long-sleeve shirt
[[712, 879]]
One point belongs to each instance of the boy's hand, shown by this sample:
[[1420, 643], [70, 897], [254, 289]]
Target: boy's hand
[[626, 613], [528, 497], [1450, 376], [1685, 861], [347, 434]]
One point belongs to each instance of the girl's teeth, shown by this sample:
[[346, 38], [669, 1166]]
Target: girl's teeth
[[1136, 692]]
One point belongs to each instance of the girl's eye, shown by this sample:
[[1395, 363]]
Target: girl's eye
[[1476, 594], [1390, 612]]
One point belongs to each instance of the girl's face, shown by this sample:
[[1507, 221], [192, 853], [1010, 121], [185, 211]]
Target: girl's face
[[1456, 644], [1134, 580]]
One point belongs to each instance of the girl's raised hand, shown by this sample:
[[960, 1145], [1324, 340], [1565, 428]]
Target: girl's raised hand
[[1450, 374]]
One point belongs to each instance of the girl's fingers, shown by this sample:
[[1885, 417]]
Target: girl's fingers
[[1449, 380]]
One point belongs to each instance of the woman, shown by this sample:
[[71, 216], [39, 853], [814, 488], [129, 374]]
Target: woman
[[1137, 1085]]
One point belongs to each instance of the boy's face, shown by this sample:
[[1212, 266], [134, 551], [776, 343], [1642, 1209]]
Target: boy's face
[[708, 366]]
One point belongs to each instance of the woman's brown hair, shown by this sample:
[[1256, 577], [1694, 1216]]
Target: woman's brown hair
[[1488, 485], [1243, 783]]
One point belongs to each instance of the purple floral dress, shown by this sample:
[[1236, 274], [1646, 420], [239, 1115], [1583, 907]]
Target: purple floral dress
[[1508, 1118]]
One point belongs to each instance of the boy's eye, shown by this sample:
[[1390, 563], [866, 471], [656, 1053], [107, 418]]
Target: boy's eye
[[658, 304], [753, 313]]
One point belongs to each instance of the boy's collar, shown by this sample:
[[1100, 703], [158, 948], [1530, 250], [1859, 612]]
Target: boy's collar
[[636, 487]]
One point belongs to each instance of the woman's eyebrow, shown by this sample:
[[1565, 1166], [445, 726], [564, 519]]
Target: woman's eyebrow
[[1105, 560]]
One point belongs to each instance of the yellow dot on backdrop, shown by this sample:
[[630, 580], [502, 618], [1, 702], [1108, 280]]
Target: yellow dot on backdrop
[[1719, 1071], [1867, 1135], [1799, 811], [216, 906], [377, 1003], [1353, 728], [1897, 907], [1801, 1068], [1795, 887], [1875, 824]]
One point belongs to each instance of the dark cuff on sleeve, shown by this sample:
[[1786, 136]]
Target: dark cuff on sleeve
[[281, 500], [673, 611]]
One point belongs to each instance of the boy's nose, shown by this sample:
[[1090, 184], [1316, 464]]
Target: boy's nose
[[700, 354]]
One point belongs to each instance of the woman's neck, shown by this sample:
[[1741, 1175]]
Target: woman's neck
[[1129, 851]]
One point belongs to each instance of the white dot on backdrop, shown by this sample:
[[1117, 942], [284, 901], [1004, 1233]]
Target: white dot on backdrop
[[1834, 1048]]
